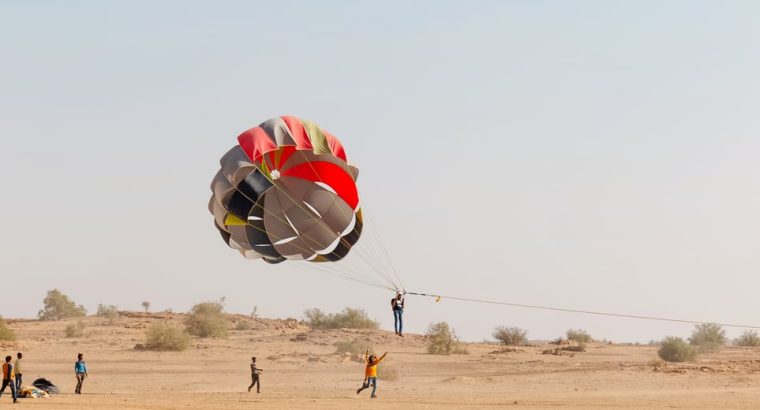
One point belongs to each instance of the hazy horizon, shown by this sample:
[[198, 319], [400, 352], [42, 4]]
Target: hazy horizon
[[598, 155]]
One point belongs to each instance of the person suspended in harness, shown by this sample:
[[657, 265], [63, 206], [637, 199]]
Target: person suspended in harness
[[370, 373], [397, 304]]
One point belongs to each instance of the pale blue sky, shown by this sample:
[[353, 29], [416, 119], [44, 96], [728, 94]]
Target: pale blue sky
[[591, 154]]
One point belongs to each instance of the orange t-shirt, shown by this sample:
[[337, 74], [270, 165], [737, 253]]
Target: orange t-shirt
[[371, 370], [8, 372]]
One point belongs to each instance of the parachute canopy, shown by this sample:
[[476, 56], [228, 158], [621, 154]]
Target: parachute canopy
[[286, 191]]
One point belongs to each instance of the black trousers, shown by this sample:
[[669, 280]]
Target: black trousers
[[6, 383], [255, 381]]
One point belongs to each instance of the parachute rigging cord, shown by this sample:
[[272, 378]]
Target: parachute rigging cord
[[377, 268], [581, 311]]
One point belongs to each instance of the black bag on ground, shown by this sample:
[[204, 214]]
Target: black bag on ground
[[46, 385]]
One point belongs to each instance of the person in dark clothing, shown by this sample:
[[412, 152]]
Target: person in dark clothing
[[255, 378], [397, 304], [80, 369], [9, 377]]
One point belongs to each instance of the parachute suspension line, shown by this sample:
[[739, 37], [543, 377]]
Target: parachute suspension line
[[585, 312], [343, 271], [361, 250], [328, 271], [302, 249], [381, 244], [324, 226]]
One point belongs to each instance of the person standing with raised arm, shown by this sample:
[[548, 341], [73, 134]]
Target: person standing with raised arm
[[370, 373]]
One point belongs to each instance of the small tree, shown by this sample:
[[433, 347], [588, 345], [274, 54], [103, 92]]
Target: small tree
[[708, 337], [75, 329], [58, 306], [675, 349], [441, 339], [109, 312], [146, 306], [511, 336], [5, 332], [749, 338], [166, 337], [579, 335], [207, 319]]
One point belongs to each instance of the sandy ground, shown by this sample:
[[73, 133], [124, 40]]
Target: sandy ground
[[304, 372]]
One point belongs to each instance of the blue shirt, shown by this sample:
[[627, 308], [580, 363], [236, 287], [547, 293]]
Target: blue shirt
[[79, 367]]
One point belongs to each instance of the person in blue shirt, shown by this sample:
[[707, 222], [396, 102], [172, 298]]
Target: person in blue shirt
[[80, 368]]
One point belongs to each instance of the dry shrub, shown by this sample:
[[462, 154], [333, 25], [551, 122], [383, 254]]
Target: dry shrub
[[580, 347], [579, 335], [656, 364], [166, 337], [510, 336], [5, 332], [441, 339], [242, 325], [75, 329], [708, 337], [749, 338], [109, 312], [349, 318], [207, 319], [675, 349]]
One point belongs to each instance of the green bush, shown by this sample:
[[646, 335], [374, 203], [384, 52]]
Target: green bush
[[207, 319], [347, 319], [749, 338], [166, 337], [350, 346], [510, 336], [708, 337], [675, 349], [579, 335], [75, 329], [57, 306], [6, 333], [441, 339]]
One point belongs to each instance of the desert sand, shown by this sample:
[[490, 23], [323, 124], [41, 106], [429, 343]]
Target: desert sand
[[302, 371]]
